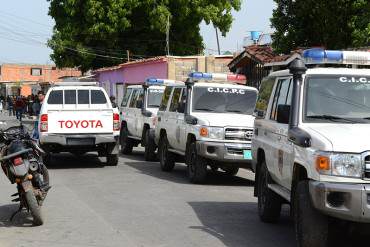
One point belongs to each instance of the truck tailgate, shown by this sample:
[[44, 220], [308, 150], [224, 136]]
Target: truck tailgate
[[80, 122]]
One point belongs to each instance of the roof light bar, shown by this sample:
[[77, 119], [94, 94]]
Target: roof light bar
[[318, 55], [217, 77], [155, 81]]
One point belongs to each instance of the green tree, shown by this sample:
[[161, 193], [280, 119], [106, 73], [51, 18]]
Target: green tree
[[96, 33], [334, 24]]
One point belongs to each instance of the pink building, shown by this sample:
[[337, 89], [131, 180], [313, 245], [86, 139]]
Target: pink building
[[114, 78]]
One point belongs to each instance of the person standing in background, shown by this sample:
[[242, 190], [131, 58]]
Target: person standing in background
[[19, 108], [36, 108], [9, 101]]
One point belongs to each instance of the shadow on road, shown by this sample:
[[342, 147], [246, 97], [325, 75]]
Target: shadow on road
[[237, 224], [22, 219], [70, 161], [179, 174]]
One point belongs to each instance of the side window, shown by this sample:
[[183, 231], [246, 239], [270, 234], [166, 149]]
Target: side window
[[98, 97], [56, 97], [83, 97], [70, 97], [126, 97], [140, 99], [165, 98], [175, 99], [264, 96], [281, 96], [133, 98], [182, 103]]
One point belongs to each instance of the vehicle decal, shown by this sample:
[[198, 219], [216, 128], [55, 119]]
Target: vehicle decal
[[68, 124], [226, 90], [354, 79]]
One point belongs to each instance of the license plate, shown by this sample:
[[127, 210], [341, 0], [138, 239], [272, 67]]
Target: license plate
[[247, 154], [80, 141]]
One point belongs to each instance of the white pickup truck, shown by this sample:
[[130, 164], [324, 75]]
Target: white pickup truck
[[79, 119]]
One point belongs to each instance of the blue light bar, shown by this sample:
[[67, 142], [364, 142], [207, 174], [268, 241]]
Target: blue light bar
[[154, 81], [200, 75], [319, 55]]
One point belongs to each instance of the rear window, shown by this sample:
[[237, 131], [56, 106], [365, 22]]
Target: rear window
[[70, 97], [98, 97], [56, 97], [83, 97]]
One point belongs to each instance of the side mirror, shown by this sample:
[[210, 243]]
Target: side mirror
[[259, 114], [139, 104], [283, 114], [146, 113], [191, 120], [299, 137]]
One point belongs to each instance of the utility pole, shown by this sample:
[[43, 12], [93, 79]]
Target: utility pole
[[218, 42], [168, 36]]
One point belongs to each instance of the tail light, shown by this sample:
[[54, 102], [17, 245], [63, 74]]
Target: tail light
[[18, 161], [44, 123], [116, 123]]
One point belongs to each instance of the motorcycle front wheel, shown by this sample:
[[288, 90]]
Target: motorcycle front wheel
[[34, 208]]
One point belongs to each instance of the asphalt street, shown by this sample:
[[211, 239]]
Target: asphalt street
[[136, 204]]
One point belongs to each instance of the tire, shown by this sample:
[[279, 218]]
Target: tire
[[34, 208], [231, 171], [127, 144], [311, 227], [112, 160], [269, 203], [166, 158], [150, 147], [197, 167]]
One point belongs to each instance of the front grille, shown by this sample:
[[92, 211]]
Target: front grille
[[367, 167], [238, 134], [235, 151]]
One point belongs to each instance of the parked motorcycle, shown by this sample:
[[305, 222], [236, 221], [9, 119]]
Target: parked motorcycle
[[21, 161]]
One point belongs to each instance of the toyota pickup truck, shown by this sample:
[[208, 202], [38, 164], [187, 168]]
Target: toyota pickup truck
[[79, 118]]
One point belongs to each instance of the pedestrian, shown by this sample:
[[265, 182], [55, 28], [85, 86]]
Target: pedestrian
[[9, 101], [19, 108], [36, 108], [1, 105]]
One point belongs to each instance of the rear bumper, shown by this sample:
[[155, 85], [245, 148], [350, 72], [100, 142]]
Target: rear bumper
[[226, 153], [62, 139]]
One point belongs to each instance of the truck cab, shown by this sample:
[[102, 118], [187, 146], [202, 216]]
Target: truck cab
[[207, 122], [139, 109], [78, 117], [310, 148]]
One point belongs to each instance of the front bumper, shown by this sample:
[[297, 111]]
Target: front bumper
[[227, 153], [342, 200]]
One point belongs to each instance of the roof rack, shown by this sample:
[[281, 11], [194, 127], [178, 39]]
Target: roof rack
[[75, 83]]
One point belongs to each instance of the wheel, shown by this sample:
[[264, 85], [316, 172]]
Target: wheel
[[311, 227], [112, 160], [34, 208], [150, 147], [166, 158], [269, 203], [127, 144], [231, 170], [197, 167]]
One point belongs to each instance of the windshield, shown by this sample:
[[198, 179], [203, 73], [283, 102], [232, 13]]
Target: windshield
[[338, 99], [224, 100], [155, 98]]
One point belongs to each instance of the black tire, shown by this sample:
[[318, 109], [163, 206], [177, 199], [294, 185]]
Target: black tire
[[231, 170], [112, 160], [34, 208], [269, 203], [197, 167], [127, 144], [311, 227], [150, 147], [166, 158]]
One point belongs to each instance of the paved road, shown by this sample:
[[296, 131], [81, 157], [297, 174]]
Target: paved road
[[135, 204]]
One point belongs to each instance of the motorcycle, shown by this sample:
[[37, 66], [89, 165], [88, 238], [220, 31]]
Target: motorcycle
[[21, 161]]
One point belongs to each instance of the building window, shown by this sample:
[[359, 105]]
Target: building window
[[36, 71]]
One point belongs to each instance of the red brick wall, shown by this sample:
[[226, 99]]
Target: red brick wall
[[22, 73]]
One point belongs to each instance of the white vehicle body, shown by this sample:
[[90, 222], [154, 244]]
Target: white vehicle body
[[340, 142], [79, 119], [227, 140]]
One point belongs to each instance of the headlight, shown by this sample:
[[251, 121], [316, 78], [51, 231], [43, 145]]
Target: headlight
[[346, 165], [212, 132]]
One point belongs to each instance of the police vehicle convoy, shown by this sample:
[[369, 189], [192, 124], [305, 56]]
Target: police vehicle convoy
[[310, 146], [207, 122], [78, 118], [139, 110]]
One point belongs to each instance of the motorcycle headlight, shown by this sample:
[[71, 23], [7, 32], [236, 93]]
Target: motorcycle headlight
[[336, 164], [212, 132]]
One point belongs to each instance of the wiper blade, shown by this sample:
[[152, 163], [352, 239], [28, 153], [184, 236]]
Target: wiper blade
[[203, 109], [332, 118]]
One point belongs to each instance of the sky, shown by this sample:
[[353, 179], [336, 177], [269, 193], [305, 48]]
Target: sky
[[25, 27]]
